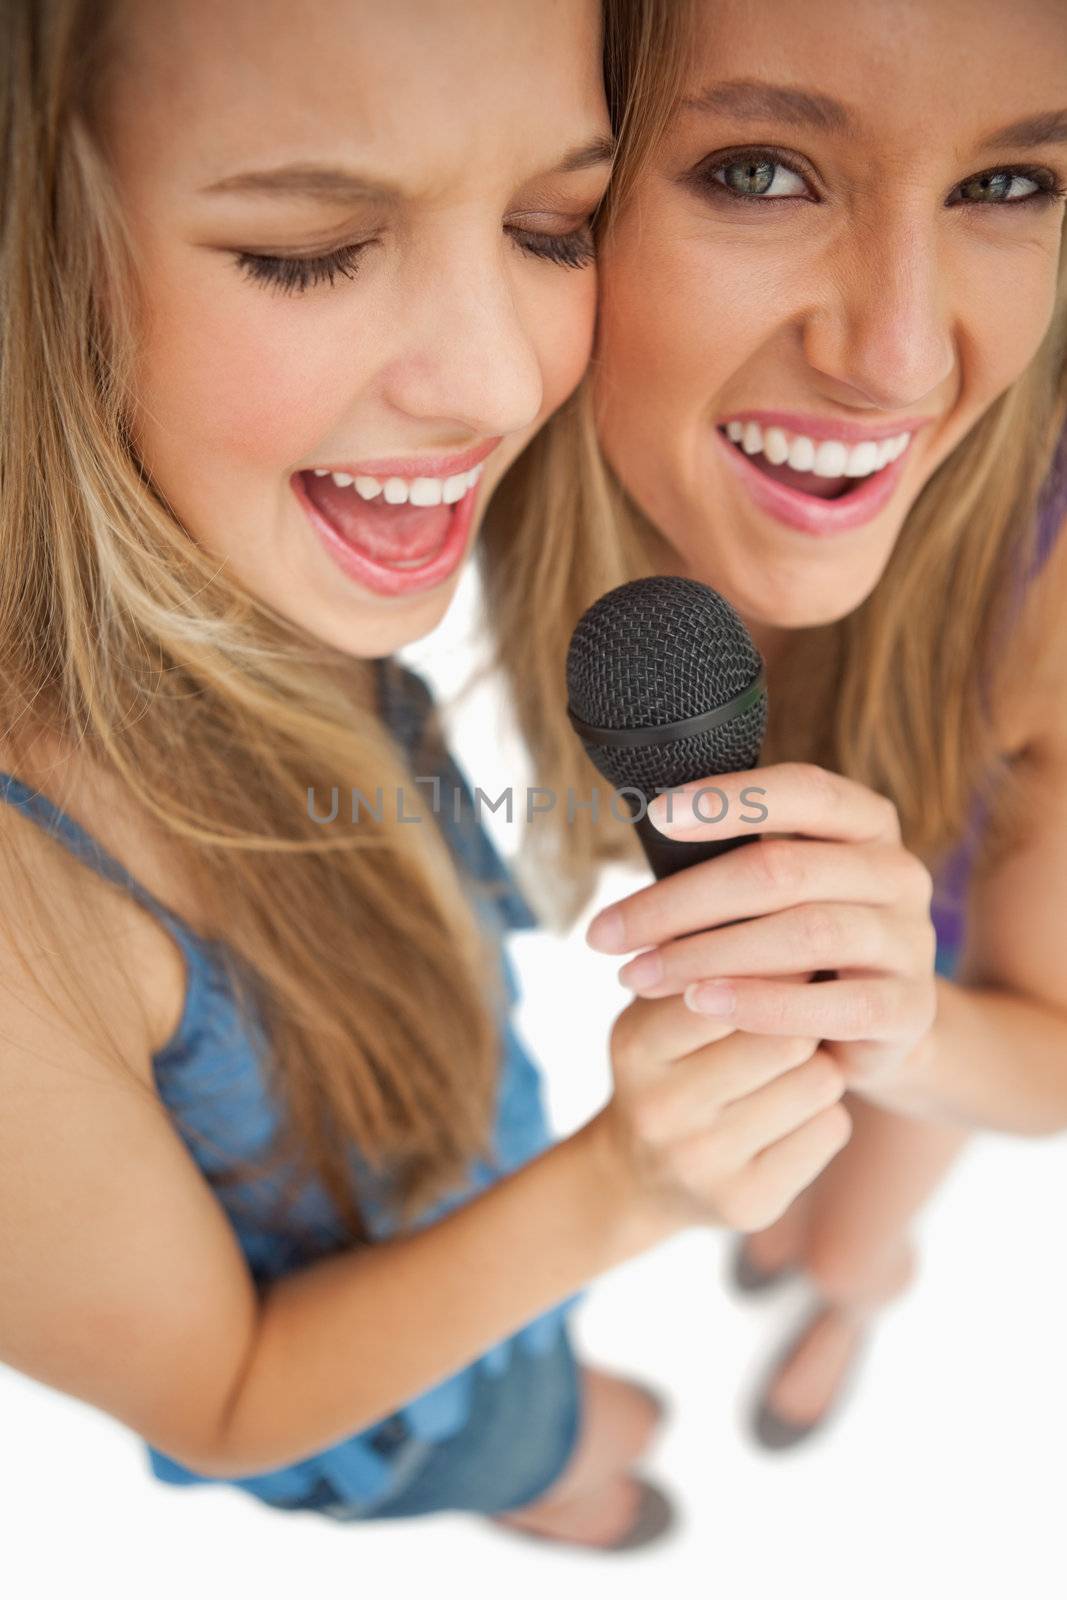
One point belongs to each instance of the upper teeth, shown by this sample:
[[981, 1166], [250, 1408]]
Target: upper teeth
[[827, 458], [407, 491]]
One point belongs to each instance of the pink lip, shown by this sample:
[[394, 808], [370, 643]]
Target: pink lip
[[806, 511], [413, 466], [827, 427], [393, 581]]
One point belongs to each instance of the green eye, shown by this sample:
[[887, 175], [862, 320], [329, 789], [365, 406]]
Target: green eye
[[1008, 186], [756, 175], [749, 177], [998, 186]]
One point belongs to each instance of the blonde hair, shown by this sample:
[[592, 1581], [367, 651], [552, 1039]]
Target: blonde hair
[[358, 951], [898, 693]]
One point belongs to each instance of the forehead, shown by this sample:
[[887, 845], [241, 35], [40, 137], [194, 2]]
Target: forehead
[[901, 67], [214, 86]]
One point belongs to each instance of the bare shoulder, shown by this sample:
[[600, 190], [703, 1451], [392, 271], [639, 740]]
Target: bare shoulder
[[59, 916]]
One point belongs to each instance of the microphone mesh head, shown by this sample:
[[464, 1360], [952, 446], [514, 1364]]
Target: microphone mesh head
[[656, 651]]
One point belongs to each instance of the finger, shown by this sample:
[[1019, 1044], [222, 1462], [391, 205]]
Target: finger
[[803, 939], [749, 1125], [656, 1032], [770, 875], [787, 1167], [791, 797], [840, 1008], [696, 1089]]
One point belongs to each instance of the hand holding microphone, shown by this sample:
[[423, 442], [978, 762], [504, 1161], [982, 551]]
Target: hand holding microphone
[[666, 689], [714, 1125]]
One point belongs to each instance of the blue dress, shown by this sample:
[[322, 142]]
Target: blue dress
[[209, 1077]]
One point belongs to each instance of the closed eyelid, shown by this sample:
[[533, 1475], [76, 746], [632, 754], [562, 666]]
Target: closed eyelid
[[533, 221]]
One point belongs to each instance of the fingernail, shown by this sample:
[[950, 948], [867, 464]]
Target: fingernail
[[657, 812], [645, 969], [714, 999], [605, 932], [673, 809]]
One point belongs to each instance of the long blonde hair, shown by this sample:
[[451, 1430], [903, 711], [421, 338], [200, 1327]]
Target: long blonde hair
[[898, 693], [359, 950]]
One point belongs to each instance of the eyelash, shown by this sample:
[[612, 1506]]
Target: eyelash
[[295, 274], [1049, 186]]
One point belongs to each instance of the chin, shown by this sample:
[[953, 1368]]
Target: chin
[[370, 637]]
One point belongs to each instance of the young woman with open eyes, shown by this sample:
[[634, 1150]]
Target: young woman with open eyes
[[830, 380]]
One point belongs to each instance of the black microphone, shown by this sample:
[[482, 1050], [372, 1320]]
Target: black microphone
[[666, 686]]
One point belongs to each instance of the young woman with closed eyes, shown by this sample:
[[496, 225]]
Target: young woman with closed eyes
[[830, 380], [278, 307]]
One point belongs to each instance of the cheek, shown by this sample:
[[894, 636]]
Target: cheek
[[675, 324], [232, 377], [639, 333], [1006, 308], [561, 322]]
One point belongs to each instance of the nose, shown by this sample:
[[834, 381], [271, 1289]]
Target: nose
[[885, 335], [466, 355]]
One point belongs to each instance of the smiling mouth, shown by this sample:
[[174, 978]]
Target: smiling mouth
[[826, 469]]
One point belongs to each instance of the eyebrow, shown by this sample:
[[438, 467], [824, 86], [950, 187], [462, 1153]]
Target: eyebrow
[[341, 185], [755, 101], [1049, 127]]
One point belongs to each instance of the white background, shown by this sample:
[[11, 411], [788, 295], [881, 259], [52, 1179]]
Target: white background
[[944, 1475]]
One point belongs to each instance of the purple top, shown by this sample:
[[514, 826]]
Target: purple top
[[950, 883]]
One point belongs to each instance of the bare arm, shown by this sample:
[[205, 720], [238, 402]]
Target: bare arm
[[352, 1337], [122, 1282], [992, 1060], [997, 1054]]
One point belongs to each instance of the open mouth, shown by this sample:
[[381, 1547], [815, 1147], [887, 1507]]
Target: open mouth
[[394, 535], [825, 469], [402, 523]]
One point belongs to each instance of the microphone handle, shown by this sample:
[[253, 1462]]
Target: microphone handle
[[666, 856]]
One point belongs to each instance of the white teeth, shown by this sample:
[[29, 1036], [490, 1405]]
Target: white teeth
[[406, 491], [830, 458], [862, 459], [827, 458], [405, 566], [890, 449], [425, 492], [776, 446]]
